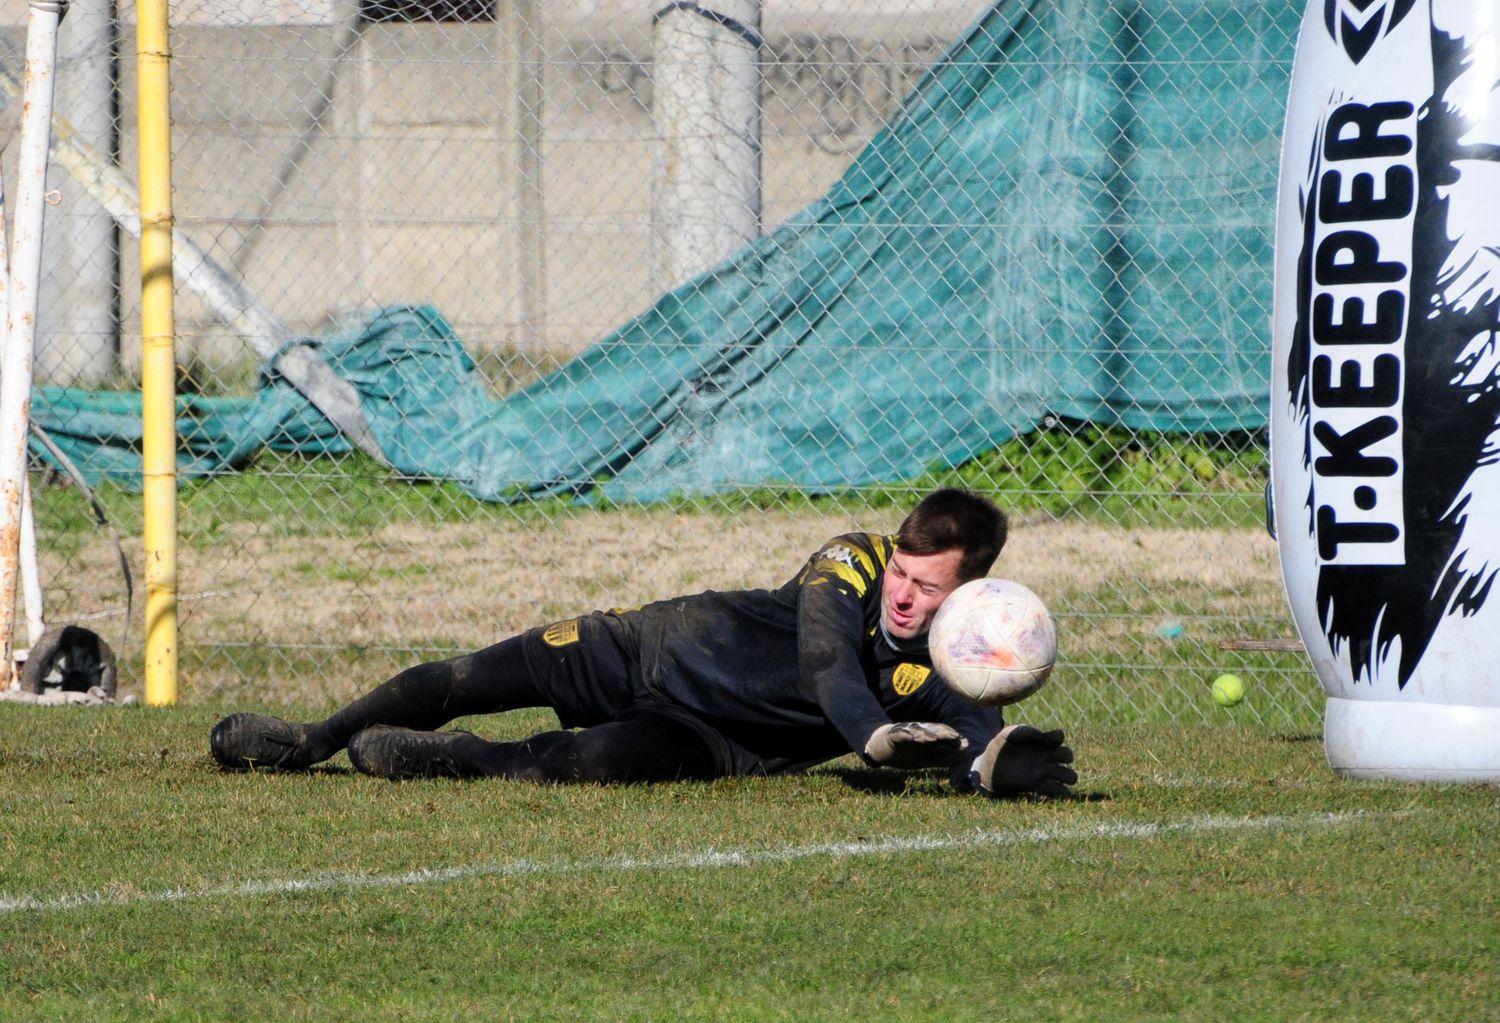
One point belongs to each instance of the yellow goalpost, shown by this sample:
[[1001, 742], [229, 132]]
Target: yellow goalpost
[[158, 358]]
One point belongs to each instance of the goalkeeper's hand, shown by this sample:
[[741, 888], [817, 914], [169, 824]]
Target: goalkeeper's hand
[[1024, 759], [912, 745]]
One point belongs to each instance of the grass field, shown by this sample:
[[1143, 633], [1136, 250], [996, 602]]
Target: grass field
[[1206, 873], [1212, 868]]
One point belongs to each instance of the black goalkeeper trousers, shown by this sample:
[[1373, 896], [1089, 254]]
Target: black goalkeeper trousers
[[645, 743]]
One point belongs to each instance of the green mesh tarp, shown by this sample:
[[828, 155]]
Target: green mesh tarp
[[1070, 215]]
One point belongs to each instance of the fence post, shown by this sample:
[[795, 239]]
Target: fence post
[[706, 188], [78, 339], [522, 58]]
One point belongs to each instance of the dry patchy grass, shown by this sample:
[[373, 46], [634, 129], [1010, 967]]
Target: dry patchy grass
[[464, 585]]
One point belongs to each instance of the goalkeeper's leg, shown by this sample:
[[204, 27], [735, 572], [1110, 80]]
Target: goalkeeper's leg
[[422, 697], [643, 745]]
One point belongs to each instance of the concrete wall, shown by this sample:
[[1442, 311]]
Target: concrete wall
[[331, 178]]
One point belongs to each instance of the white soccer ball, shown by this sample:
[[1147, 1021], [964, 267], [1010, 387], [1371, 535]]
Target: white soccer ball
[[993, 642]]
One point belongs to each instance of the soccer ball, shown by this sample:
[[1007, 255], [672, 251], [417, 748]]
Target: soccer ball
[[993, 642]]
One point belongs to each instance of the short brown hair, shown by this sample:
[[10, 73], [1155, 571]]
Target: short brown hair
[[950, 518]]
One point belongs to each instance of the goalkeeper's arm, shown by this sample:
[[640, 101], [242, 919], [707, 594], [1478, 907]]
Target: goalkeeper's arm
[[914, 745]]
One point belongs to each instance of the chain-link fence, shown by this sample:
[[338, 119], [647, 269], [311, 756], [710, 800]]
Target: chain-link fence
[[1067, 307]]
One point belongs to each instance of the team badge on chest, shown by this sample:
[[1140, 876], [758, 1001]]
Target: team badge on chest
[[908, 678]]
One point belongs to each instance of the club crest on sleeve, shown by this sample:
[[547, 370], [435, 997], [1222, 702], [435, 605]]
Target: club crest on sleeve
[[561, 633], [1357, 25], [908, 678]]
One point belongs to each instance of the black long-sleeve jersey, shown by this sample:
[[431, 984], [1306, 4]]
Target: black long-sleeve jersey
[[800, 674]]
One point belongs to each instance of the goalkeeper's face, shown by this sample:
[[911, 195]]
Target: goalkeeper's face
[[914, 587]]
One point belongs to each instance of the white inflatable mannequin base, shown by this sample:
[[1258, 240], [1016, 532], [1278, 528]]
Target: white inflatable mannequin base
[[1404, 741]]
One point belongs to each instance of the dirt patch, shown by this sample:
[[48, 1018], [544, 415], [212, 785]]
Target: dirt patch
[[461, 586]]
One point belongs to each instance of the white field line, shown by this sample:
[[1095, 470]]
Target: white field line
[[704, 859], [1104, 780]]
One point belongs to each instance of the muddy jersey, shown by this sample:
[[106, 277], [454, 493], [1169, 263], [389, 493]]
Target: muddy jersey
[[802, 673]]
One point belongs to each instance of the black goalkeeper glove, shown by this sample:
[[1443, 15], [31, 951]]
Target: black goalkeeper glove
[[913, 745], [1024, 759]]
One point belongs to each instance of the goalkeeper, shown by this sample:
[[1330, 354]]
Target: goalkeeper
[[710, 685]]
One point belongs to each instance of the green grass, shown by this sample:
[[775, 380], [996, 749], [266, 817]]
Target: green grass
[[296, 495], [1076, 470], [1211, 873], [1133, 478]]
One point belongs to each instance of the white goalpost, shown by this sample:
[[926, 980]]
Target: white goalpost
[[23, 281]]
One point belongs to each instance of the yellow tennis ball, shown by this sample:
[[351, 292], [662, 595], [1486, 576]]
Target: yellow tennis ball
[[1228, 690]]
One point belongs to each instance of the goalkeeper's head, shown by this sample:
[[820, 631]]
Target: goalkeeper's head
[[953, 519]]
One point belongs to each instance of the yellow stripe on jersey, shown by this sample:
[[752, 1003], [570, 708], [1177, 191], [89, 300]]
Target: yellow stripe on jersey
[[844, 572], [864, 561]]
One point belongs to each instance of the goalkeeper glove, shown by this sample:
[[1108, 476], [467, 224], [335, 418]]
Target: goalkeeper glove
[[1024, 759], [912, 745]]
